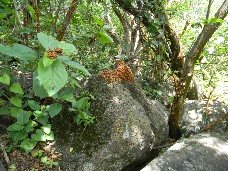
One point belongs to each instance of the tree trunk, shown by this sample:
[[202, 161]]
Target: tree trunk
[[66, 21], [188, 69]]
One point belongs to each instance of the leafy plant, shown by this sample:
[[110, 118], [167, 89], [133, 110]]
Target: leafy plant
[[81, 110], [44, 159], [30, 115]]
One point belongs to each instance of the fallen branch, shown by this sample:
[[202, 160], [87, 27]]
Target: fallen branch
[[215, 122], [5, 154]]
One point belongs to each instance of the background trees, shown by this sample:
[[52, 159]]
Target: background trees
[[160, 40]]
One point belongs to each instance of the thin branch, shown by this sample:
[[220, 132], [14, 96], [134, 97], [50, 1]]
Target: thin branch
[[67, 19], [56, 17], [215, 122], [16, 14], [185, 28], [124, 23], [208, 9], [208, 30], [25, 21], [37, 13], [5, 154], [111, 31]]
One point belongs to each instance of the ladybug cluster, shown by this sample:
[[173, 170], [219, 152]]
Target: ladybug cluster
[[52, 54], [120, 74]]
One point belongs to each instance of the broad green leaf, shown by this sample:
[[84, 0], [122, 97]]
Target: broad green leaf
[[54, 109], [103, 37], [20, 51], [99, 22], [39, 135], [46, 128], [47, 61], [48, 42], [53, 77], [15, 127], [38, 87], [5, 79], [16, 101], [31, 11], [30, 126], [17, 136], [28, 144], [16, 88], [68, 48], [50, 136], [4, 111], [15, 111], [77, 66], [23, 117], [33, 105], [43, 119], [82, 103]]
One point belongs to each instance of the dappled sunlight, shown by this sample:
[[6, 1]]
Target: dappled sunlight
[[149, 168], [137, 136], [177, 146], [194, 115], [215, 144], [117, 100]]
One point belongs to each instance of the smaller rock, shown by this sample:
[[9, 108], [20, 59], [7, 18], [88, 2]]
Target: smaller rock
[[199, 152], [2, 168]]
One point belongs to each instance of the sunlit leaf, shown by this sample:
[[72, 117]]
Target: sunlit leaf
[[16, 101], [48, 42], [103, 37], [54, 109], [28, 144], [19, 51], [52, 77], [16, 88], [5, 79]]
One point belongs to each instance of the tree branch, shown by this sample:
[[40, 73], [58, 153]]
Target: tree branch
[[188, 69], [111, 31], [209, 9], [124, 23], [208, 30], [67, 19], [56, 17]]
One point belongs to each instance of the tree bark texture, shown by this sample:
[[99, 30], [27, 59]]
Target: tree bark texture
[[188, 69], [67, 19]]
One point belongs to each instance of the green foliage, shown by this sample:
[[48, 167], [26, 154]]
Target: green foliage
[[16, 88], [53, 77], [81, 110], [20, 51], [5, 79], [44, 159], [49, 77]]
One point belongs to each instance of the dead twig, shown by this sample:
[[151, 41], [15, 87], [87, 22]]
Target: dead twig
[[5, 154], [215, 122]]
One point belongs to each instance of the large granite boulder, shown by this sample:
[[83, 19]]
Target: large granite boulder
[[202, 152], [126, 128]]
